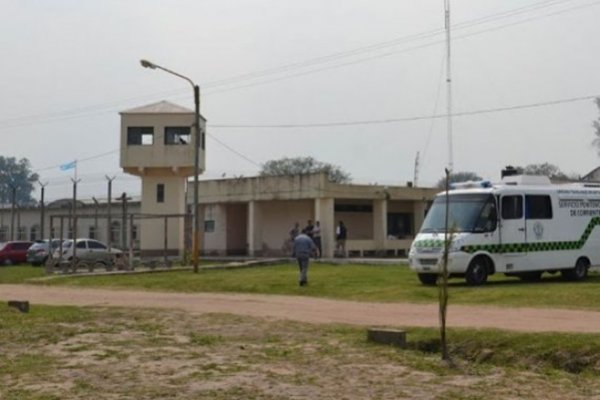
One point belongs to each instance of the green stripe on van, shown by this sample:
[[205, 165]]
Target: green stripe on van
[[538, 246]]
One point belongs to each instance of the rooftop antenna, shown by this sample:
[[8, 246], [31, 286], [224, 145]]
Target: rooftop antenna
[[448, 86], [416, 174]]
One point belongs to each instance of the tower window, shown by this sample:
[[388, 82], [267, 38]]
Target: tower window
[[140, 135], [160, 193], [177, 135]]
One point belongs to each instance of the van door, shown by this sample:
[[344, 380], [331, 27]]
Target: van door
[[513, 235]]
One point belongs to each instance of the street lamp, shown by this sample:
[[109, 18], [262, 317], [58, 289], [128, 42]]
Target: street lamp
[[195, 244]]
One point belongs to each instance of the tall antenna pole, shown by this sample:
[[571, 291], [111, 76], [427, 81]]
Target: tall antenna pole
[[448, 86], [416, 174]]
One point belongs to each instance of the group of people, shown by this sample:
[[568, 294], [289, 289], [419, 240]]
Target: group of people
[[307, 244]]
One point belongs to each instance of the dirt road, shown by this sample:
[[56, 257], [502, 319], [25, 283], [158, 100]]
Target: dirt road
[[315, 310]]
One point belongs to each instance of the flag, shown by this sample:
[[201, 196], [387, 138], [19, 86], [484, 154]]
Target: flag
[[68, 166]]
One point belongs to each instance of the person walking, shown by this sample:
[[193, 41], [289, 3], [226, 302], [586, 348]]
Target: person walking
[[317, 238], [304, 247], [341, 234]]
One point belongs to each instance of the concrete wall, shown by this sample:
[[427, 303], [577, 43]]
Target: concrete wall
[[278, 218], [152, 229], [29, 218], [215, 242], [359, 224]]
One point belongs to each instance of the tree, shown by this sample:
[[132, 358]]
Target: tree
[[16, 173], [304, 165], [459, 177], [596, 126], [545, 169]]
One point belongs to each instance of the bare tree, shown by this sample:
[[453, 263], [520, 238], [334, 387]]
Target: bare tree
[[443, 282], [304, 165], [458, 177]]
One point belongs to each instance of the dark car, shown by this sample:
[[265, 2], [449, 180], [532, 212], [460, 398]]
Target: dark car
[[38, 253], [14, 252]]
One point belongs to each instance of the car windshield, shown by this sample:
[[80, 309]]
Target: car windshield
[[467, 213], [2, 245]]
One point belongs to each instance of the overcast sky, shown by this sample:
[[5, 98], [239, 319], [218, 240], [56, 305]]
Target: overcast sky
[[69, 67]]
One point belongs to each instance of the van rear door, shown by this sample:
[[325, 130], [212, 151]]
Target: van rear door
[[513, 235]]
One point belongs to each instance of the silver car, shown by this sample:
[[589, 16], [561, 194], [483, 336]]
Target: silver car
[[38, 253], [90, 252]]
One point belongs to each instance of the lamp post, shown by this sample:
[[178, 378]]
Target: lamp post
[[195, 244]]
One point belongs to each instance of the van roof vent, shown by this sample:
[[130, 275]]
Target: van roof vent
[[526, 180]]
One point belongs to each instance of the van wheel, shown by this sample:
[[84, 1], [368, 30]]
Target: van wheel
[[578, 272], [428, 279], [477, 273]]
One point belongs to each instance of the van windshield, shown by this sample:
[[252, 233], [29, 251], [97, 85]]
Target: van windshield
[[467, 213]]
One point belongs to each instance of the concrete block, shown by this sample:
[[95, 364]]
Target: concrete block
[[22, 306], [394, 337]]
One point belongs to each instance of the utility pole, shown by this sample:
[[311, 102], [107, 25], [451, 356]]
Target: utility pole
[[109, 222], [42, 210], [74, 222]]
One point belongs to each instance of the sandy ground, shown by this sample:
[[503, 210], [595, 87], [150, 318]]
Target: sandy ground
[[315, 310]]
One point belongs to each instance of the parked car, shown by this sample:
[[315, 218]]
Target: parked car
[[38, 253], [89, 251], [14, 252]]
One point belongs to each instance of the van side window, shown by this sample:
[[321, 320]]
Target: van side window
[[512, 207], [538, 207]]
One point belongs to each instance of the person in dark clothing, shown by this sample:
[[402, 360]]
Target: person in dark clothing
[[295, 231], [304, 248], [308, 229]]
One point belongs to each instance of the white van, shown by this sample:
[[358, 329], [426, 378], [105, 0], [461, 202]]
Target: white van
[[523, 226]]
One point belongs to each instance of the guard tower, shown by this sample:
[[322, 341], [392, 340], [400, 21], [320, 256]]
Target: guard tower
[[157, 144]]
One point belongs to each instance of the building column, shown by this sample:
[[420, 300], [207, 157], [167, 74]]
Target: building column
[[253, 229], [380, 224], [324, 213], [418, 215]]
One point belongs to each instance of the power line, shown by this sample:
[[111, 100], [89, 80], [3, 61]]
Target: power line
[[234, 150], [108, 107], [392, 53], [407, 119], [364, 122], [382, 45]]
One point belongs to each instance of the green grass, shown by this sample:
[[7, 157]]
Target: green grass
[[389, 283], [19, 273]]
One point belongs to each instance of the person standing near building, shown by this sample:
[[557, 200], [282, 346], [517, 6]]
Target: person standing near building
[[304, 248], [341, 233], [317, 238], [308, 229], [295, 231]]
